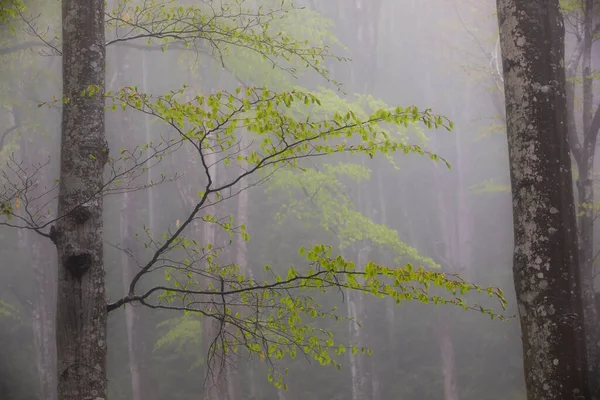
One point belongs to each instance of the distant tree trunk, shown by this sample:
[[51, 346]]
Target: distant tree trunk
[[44, 315], [81, 304], [358, 365], [234, 380], [40, 249], [453, 225], [444, 336], [132, 317], [583, 148], [127, 129], [214, 389], [449, 258], [44, 305], [546, 274], [150, 192]]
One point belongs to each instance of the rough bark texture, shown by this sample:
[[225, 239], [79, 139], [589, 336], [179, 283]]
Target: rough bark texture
[[545, 267], [81, 303]]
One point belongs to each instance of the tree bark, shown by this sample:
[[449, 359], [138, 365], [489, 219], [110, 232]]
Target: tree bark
[[546, 273], [81, 304]]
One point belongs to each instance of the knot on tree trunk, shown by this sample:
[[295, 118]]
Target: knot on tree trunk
[[77, 264], [81, 214]]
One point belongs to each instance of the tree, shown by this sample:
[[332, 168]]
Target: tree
[[546, 273], [272, 323], [583, 135], [81, 305]]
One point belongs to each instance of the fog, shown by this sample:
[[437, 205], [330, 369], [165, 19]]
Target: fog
[[390, 209]]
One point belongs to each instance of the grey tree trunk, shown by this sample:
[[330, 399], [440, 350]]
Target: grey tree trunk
[[359, 371], [127, 129], [546, 273], [44, 269], [44, 314], [81, 303], [584, 151], [135, 340]]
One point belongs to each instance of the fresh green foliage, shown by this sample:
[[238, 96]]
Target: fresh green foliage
[[10, 9], [271, 319], [489, 186], [8, 311], [276, 319], [223, 27], [318, 196]]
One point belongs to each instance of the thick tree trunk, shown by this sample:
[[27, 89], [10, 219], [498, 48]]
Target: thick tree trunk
[[546, 274], [81, 302]]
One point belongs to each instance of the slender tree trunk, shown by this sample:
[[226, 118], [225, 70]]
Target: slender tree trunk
[[234, 380], [44, 315], [44, 306], [446, 344], [150, 192], [585, 190], [127, 129], [449, 260], [140, 386], [546, 273], [130, 312], [81, 304], [214, 389], [40, 250], [358, 365]]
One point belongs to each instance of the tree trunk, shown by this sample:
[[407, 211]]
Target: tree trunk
[[216, 374], [150, 192], [358, 365], [44, 269], [44, 315], [81, 303], [584, 156], [546, 274], [444, 337], [140, 386], [127, 128]]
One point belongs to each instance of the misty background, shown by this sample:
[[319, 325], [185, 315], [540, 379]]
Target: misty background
[[433, 54]]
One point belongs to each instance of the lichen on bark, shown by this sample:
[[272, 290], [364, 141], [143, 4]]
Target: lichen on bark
[[545, 267], [81, 302]]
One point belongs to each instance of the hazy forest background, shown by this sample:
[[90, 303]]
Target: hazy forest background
[[393, 208]]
